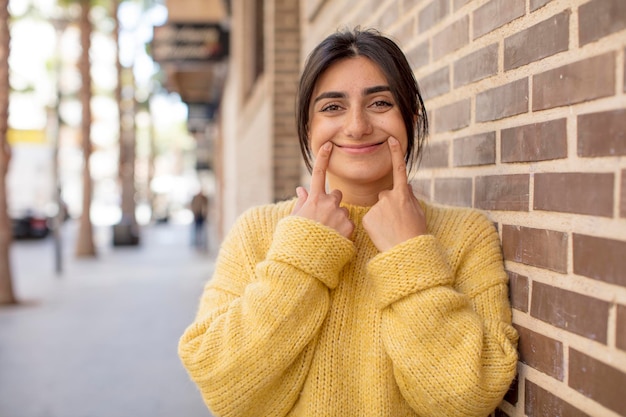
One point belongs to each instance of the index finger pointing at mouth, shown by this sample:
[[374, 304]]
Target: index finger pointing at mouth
[[318, 174], [398, 163]]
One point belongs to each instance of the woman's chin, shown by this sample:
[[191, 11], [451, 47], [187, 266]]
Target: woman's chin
[[358, 173]]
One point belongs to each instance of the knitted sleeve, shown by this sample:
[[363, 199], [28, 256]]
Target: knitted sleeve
[[447, 320], [253, 338]]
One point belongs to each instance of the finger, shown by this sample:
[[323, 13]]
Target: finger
[[302, 196], [337, 194], [318, 174], [398, 164], [347, 229]]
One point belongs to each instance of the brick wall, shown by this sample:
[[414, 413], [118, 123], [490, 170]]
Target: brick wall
[[527, 105]]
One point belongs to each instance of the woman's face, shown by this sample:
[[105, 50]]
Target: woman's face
[[353, 107]]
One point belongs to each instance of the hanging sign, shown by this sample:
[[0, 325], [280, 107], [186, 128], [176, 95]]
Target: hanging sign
[[189, 42]]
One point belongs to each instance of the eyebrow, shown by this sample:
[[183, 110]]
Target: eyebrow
[[338, 94], [376, 89]]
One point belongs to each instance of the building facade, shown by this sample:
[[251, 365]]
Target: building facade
[[527, 107]]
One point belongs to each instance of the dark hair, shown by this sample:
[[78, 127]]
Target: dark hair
[[389, 57]]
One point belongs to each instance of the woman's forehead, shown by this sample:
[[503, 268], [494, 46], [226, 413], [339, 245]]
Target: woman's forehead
[[355, 73]]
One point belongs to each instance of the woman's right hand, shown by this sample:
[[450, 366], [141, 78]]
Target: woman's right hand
[[319, 205]]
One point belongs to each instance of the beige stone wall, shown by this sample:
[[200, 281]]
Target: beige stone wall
[[247, 179], [245, 139], [259, 157], [527, 105]]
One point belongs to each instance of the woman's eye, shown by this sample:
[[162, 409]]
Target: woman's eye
[[382, 103], [330, 107]]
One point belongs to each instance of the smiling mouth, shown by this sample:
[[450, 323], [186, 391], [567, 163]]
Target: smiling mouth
[[361, 146]]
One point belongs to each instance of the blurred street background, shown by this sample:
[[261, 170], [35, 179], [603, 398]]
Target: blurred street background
[[102, 275], [100, 339]]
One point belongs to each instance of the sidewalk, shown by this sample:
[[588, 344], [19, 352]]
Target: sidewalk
[[100, 339]]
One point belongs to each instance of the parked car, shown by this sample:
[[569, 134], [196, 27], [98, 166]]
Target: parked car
[[30, 225]]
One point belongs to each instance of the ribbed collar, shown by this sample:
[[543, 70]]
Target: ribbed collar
[[356, 213]]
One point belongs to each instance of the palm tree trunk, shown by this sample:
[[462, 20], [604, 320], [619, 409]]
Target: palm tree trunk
[[127, 150], [6, 285], [127, 231], [85, 245]]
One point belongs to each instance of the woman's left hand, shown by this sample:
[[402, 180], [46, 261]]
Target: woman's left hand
[[397, 216]]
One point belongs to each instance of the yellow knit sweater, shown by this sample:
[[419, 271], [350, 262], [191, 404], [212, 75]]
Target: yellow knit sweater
[[300, 321]]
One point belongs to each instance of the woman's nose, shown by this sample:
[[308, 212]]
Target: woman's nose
[[357, 124]]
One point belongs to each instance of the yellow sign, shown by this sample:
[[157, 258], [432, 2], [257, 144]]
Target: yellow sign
[[26, 136]]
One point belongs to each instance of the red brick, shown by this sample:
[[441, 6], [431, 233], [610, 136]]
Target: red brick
[[419, 56], [476, 66], [432, 14], [535, 142], [475, 150], [496, 13], [518, 291], [539, 41], [541, 403], [580, 81], [599, 18], [504, 101], [453, 116], [421, 188], [512, 395], [536, 4], [536, 247], [460, 3], [540, 352], [454, 191], [435, 84], [622, 204], [287, 163], [286, 6], [574, 312], [406, 4], [451, 38], [574, 192], [602, 134], [404, 33], [500, 413], [388, 17], [600, 258], [502, 192], [435, 155], [597, 380], [621, 325], [364, 13]]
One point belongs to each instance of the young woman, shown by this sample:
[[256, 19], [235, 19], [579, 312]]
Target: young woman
[[355, 298]]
